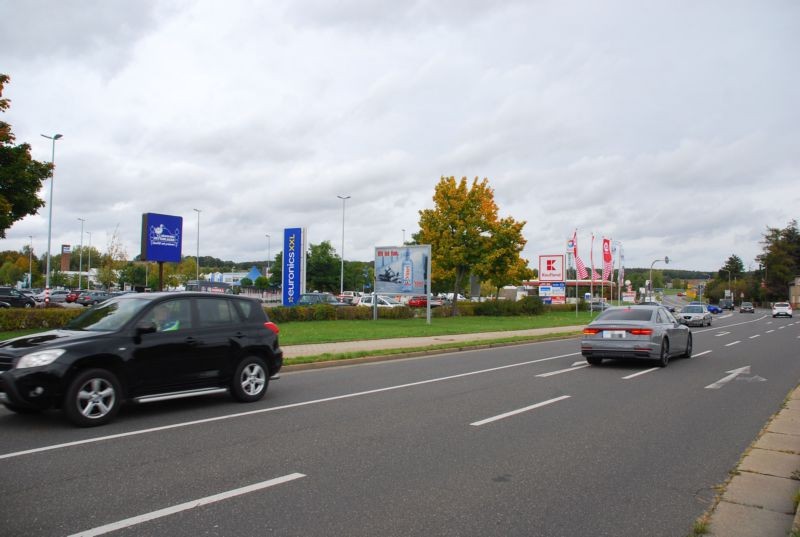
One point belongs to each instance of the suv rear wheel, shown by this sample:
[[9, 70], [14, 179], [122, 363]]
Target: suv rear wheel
[[250, 380]]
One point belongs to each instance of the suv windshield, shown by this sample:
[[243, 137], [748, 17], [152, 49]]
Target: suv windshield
[[108, 316]]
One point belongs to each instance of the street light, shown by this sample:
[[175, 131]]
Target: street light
[[50, 215], [266, 271], [89, 269], [198, 247], [404, 237], [729, 284], [30, 263], [341, 277], [665, 260], [80, 262]]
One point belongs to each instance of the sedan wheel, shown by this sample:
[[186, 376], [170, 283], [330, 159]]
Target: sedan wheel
[[688, 353], [250, 380], [663, 359], [93, 398]]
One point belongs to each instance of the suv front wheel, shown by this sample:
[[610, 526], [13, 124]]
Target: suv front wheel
[[93, 398], [250, 380]]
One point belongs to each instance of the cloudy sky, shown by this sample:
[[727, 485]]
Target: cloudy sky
[[671, 126]]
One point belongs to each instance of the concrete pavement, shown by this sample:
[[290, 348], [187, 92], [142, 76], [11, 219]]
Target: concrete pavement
[[758, 501]]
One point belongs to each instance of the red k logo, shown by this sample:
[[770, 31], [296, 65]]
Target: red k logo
[[551, 264]]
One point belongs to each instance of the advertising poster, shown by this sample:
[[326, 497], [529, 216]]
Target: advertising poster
[[402, 270], [558, 293], [294, 265], [551, 268], [162, 236]]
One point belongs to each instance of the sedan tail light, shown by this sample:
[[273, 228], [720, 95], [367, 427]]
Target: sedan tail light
[[641, 331], [590, 331], [272, 326]]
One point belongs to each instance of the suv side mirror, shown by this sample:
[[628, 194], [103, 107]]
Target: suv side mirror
[[145, 327]]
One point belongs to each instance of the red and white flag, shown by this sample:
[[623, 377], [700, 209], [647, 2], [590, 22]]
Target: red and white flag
[[582, 272], [608, 260], [591, 260]]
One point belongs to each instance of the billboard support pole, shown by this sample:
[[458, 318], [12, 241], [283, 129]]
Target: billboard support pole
[[160, 276]]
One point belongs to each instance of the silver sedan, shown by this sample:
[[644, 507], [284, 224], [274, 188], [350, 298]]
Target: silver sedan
[[695, 315], [636, 332]]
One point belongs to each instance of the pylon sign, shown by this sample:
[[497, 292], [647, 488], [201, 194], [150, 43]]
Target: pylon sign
[[551, 268]]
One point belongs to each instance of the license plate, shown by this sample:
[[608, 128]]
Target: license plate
[[614, 334]]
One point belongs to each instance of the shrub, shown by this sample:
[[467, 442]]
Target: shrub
[[27, 318], [531, 305]]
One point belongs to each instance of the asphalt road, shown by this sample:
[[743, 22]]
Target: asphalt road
[[484, 442]]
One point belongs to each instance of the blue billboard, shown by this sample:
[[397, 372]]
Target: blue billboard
[[294, 264], [162, 237]]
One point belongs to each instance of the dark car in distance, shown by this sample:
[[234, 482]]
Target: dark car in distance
[[142, 348], [746, 307], [309, 299], [15, 299]]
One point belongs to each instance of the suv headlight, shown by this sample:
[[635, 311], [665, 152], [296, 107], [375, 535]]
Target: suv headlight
[[37, 359]]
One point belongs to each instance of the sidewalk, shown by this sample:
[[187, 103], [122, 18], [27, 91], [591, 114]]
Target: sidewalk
[[757, 502]]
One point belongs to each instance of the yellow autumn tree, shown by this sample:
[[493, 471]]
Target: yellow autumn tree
[[466, 235]]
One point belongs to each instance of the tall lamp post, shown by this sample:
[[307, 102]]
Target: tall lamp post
[[50, 215], [404, 237], [30, 263], [666, 261], [266, 270], [89, 269], [729, 284], [198, 247], [80, 262], [341, 277], [617, 246]]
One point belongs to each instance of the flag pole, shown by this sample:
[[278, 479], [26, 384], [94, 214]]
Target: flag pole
[[591, 285]]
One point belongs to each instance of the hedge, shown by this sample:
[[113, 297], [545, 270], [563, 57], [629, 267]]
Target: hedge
[[27, 318]]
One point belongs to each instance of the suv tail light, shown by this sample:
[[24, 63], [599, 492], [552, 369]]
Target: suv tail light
[[272, 326]]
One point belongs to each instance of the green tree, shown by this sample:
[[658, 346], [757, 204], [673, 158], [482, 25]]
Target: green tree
[[779, 261], [21, 177], [111, 262], [261, 283], [503, 264], [246, 282], [276, 271], [323, 268]]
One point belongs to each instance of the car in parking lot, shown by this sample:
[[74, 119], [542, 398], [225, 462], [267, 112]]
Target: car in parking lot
[[695, 315], [15, 299], [746, 307], [309, 299], [422, 302], [714, 308], [382, 302], [91, 298], [73, 295], [142, 347], [650, 332], [782, 309]]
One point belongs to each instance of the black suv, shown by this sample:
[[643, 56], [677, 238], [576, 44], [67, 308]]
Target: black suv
[[142, 348], [15, 299]]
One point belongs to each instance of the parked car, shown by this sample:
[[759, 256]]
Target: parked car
[[91, 298], [713, 308], [635, 332], [142, 347], [347, 297], [4, 305], [15, 299], [422, 302], [383, 302], [73, 295], [746, 307], [782, 309], [695, 315], [309, 299], [599, 305]]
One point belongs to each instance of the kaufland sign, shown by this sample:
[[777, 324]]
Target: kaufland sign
[[551, 268]]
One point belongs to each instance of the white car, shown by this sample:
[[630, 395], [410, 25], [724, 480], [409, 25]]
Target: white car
[[782, 309], [694, 315], [383, 302]]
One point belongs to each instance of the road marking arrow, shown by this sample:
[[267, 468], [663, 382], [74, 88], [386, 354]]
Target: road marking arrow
[[733, 374]]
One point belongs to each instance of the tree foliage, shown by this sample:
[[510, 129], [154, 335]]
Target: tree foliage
[[467, 237], [779, 261], [21, 177]]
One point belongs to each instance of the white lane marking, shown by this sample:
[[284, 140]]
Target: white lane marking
[[641, 373], [721, 334], [519, 411], [551, 373], [770, 331], [724, 380], [755, 336], [732, 343], [701, 353], [275, 408], [128, 522], [781, 327], [728, 325]]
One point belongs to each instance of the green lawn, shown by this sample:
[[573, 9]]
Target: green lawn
[[297, 333]]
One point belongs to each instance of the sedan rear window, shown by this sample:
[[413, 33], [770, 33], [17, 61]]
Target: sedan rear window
[[626, 314]]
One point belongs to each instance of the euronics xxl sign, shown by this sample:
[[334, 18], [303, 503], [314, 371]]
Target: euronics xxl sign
[[402, 270], [294, 265], [161, 237]]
